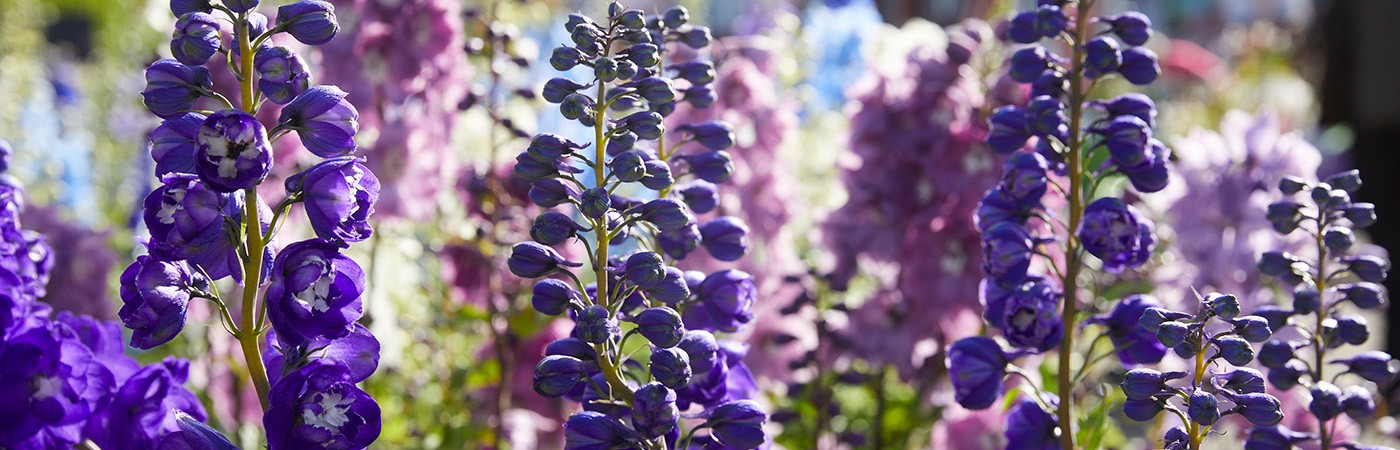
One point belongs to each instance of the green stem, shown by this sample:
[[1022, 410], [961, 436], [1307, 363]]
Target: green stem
[[249, 339], [612, 372], [1073, 264], [1319, 341]]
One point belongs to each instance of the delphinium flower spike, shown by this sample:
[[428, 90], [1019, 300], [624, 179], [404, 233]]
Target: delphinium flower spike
[[1219, 343], [634, 85], [207, 222], [1323, 289], [1064, 143]]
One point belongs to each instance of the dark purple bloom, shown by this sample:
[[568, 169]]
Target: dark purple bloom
[[552, 297], [357, 353], [180, 7], [1025, 178], [47, 381], [1373, 366], [726, 238], [1358, 403], [1135, 344], [172, 87], [339, 195], [1102, 57], [173, 143], [1139, 66], [1368, 268], [554, 228], [534, 260], [1133, 27], [310, 21], [1258, 408], [1117, 234], [590, 430], [196, 38], [234, 153], [155, 296], [997, 207], [556, 375], [666, 214], [194, 435], [282, 74], [976, 366], [654, 411], [1153, 175], [324, 120], [1046, 117], [672, 289], [319, 407], [1009, 130], [737, 424], [551, 192], [187, 221], [1006, 251], [595, 325], [1032, 317], [671, 367], [314, 292], [726, 300], [714, 135], [1234, 350], [1130, 104], [139, 412], [1364, 295], [700, 195], [661, 326], [1203, 408], [1028, 63], [1021, 28], [658, 175], [702, 350], [1031, 428]]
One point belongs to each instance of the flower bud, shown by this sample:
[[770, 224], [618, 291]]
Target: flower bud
[[1367, 268], [556, 89], [1009, 130], [534, 260], [282, 74], [339, 195], [1203, 408], [1234, 350], [1153, 318], [1361, 215], [666, 213], [1133, 27], [1326, 401], [1259, 409], [654, 90], [672, 289], [976, 366], [553, 228], [1374, 366], [661, 326], [575, 106], [1144, 383], [551, 192], [1352, 329], [714, 135], [565, 58], [645, 269], [654, 411], [1284, 216], [1277, 316], [552, 297], [679, 242], [1283, 265], [592, 429], [324, 120], [1130, 104], [595, 325], [1290, 185], [233, 152], [1276, 353], [312, 22], [1102, 57], [1306, 300], [196, 38], [1287, 376], [1028, 63], [1358, 403], [658, 175], [605, 69], [595, 203], [1046, 116], [1139, 66], [1338, 239], [628, 166], [1127, 139], [1252, 328], [193, 434], [173, 144], [1224, 305], [1172, 334], [1051, 83], [181, 7], [737, 424], [172, 87], [700, 195], [1349, 181], [1189, 347], [696, 37], [725, 238], [671, 367], [1364, 295], [646, 124], [1275, 437], [675, 17], [1022, 30], [1243, 380], [556, 375], [1142, 410], [1050, 21]]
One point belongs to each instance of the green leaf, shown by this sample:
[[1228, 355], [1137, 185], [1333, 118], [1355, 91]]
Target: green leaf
[[1093, 427]]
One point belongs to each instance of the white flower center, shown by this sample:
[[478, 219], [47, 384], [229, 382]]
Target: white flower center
[[47, 387], [314, 296], [170, 205], [333, 412]]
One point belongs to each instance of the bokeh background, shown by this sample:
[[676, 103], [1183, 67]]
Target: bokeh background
[[859, 163]]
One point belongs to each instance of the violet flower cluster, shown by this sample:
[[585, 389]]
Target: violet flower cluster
[[1322, 288], [65, 378], [638, 402], [1215, 337], [207, 222], [1052, 135]]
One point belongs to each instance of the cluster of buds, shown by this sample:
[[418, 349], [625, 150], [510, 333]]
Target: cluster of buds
[[627, 401]]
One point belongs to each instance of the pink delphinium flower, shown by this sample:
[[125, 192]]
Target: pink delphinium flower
[[405, 69]]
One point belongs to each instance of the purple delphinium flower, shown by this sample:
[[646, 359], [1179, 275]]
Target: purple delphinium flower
[[187, 221], [725, 302], [172, 87], [314, 292], [976, 366], [51, 382], [339, 196], [324, 120], [155, 296], [282, 74], [194, 435], [1134, 344], [1029, 426], [1117, 234], [233, 152], [196, 38], [318, 406], [174, 143], [139, 412]]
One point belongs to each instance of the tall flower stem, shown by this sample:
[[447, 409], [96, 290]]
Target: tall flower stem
[[1073, 263], [1319, 345], [611, 369], [249, 334]]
